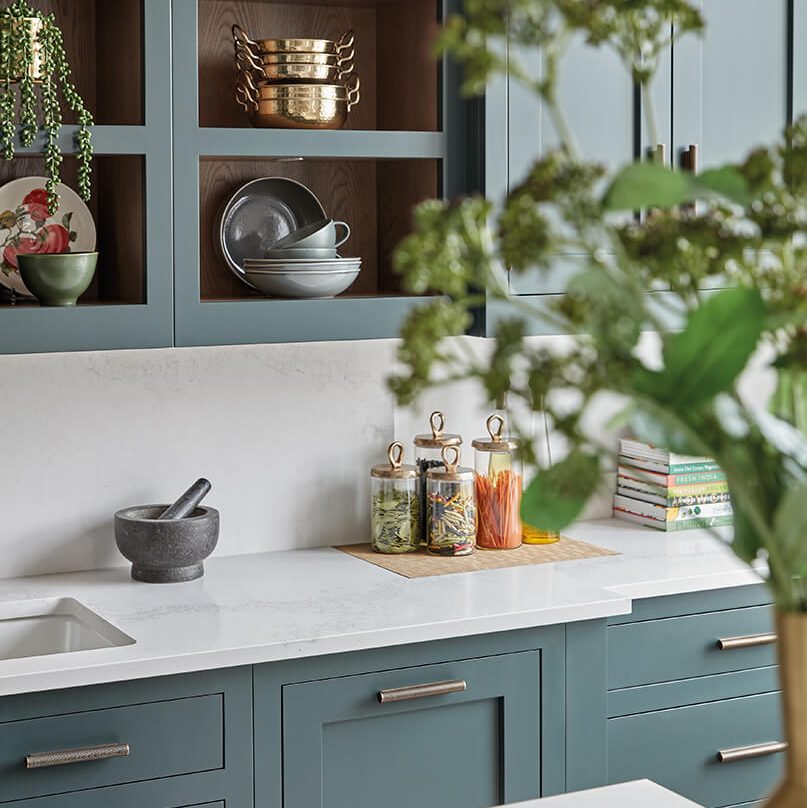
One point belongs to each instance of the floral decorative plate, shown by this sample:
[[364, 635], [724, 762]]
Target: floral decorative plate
[[26, 226]]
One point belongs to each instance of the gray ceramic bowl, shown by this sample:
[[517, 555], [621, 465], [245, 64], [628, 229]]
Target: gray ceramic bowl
[[320, 254], [58, 279], [319, 235], [169, 551], [308, 284]]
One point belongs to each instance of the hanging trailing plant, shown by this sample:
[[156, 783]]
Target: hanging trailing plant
[[34, 68]]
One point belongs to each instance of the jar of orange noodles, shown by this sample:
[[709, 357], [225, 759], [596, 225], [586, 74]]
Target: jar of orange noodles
[[497, 481]]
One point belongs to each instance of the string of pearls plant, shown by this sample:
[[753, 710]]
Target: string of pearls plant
[[33, 68]]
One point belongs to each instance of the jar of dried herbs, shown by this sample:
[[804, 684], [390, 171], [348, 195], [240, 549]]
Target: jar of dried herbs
[[428, 455], [395, 504], [498, 488], [451, 506]]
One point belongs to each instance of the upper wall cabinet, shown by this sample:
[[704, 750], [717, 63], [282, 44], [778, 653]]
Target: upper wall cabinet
[[404, 142], [127, 88], [732, 88], [596, 95]]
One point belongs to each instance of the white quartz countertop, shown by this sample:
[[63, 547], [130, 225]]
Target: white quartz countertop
[[638, 794], [287, 605]]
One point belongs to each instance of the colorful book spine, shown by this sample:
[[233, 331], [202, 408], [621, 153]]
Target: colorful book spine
[[666, 514], [669, 481], [673, 500], [674, 527], [669, 468]]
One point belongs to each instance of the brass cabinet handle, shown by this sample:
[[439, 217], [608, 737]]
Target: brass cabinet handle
[[689, 160], [750, 752], [63, 757], [421, 691], [748, 641]]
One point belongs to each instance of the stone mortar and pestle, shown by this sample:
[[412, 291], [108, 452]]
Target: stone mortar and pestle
[[168, 543]]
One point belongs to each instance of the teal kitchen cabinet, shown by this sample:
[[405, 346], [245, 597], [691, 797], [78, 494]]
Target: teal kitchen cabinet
[[177, 741], [130, 304], [693, 696], [462, 723], [733, 88], [596, 94], [406, 141]]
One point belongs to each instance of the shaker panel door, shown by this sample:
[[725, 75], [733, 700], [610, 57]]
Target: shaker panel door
[[596, 96], [465, 748], [731, 86]]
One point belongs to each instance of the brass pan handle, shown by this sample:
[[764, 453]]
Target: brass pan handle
[[747, 641], [422, 691], [353, 93], [85, 754], [750, 752], [347, 40]]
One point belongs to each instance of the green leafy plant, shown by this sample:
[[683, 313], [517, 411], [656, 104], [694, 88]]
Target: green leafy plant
[[739, 228], [33, 69]]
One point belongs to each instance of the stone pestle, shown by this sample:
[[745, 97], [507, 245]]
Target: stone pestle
[[188, 502]]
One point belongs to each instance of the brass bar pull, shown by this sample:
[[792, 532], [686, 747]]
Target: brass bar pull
[[63, 757], [421, 691], [692, 160], [749, 641], [751, 752]]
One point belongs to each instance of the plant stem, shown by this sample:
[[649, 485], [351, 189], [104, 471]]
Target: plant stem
[[649, 111]]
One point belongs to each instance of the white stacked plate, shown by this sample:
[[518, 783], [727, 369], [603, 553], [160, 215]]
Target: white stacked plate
[[302, 277]]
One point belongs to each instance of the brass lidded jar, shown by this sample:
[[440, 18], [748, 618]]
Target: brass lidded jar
[[451, 506], [428, 455], [394, 504], [498, 482]]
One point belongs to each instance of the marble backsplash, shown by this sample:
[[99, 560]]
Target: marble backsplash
[[286, 434]]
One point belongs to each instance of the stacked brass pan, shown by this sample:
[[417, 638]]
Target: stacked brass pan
[[296, 83]]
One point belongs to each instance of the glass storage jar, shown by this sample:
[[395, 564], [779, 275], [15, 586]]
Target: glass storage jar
[[395, 504], [428, 455], [497, 482], [451, 505]]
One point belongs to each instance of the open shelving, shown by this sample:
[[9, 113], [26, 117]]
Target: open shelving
[[120, 56], [404, 142]]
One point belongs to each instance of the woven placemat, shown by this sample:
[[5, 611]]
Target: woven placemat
[[422, 565]]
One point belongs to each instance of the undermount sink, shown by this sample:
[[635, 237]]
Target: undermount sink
[[55, 626]]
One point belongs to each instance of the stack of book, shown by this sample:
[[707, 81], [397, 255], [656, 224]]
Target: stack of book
[[668, 491]]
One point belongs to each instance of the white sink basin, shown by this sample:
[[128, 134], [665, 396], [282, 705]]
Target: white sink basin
[[55, 626]]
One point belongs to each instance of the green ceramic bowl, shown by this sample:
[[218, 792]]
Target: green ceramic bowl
[[58, 279]]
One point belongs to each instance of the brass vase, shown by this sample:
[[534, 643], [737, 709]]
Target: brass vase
[[792, 632]]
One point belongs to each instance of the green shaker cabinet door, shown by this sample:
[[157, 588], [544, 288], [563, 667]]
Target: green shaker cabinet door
[[470, 748], [731, 87], [596, 96]]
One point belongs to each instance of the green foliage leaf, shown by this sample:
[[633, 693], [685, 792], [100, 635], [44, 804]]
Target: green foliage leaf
[[710, 353], [725, 181], [790, 528], [650, 185], [557, 496], [647, 185], [746, 543]]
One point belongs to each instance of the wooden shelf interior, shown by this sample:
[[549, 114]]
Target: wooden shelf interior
[[375, 197], [103, 41], [118, 207], [399, 74]]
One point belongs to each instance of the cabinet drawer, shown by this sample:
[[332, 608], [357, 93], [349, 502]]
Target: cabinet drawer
[[473, 744], [165, 738], [679, 749], [674, 648]]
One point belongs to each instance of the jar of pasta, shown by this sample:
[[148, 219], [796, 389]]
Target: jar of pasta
[[429, 455], [497, 482], [451, 506], [394, 504]]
